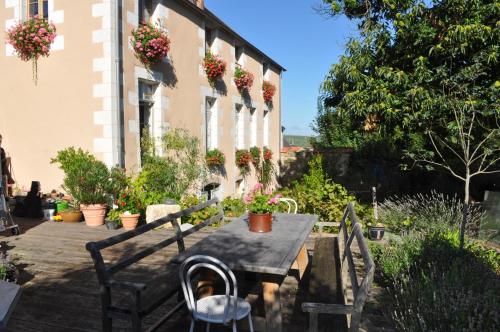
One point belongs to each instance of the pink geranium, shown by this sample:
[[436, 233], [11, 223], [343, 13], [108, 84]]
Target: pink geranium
[[150, 44]]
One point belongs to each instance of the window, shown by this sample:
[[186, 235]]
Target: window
[[146, 92], [38, 8], [208, 39], [240, 127], [238, 52], [265, 128], [145, 10], [265, 69], [210, 124], [253, 127]]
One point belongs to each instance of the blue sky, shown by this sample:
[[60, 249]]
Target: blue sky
[[294, 35]]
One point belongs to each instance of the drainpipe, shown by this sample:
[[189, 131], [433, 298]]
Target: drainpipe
[[117, 104]]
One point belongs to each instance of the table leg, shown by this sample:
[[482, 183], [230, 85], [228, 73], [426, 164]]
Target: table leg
[[272, 303], [302, 261]]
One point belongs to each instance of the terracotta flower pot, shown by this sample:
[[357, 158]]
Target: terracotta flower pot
[[260, 223], [71, 215], [94, 214], [129, 221]]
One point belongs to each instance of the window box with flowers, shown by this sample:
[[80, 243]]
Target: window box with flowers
[[215, 158], [243, 79], [32, 39], [243, 159], [268, 154], [255, 153], [214, 66], [150, 44], [268, 91]]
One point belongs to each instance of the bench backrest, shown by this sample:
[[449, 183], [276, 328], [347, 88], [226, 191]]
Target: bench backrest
[[348, 233], [105, 272]]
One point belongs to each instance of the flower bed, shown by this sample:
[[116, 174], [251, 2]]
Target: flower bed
[[268, 91], [214, 66], [243, 79], [150, 44], [215, 158], [32, 39]]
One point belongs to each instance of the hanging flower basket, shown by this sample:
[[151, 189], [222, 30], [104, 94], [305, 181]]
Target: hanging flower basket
[[214, 66], [268, 154], [32, 39], [243, 159], [150, 44], [243, 79], [215, 158], [268, 91], [255, 153]]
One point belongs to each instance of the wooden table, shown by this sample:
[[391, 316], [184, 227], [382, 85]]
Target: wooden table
[[271, 255]]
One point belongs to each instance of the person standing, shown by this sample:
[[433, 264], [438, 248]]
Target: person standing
[[5, 161]]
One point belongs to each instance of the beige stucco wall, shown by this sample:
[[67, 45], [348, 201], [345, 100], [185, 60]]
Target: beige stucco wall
[[71, 104], [37, 121]]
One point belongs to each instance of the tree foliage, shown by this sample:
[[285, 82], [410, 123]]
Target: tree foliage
[[411, 64]]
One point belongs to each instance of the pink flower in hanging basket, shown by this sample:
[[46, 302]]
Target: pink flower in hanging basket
[[268, 91], [243, 79], [150, 44]]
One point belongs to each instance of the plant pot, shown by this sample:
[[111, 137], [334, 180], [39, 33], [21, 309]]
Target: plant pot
[[71, 215], [260, 223], [129, 221], [376, 233], [112, 224], [94, 214]]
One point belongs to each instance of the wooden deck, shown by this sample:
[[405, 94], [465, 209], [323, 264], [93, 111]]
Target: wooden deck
[[60, 290]]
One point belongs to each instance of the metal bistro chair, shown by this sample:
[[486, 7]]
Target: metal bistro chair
[[290, 202], [219, 309]]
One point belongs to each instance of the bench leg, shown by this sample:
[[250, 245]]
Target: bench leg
[[107, 323], [302, 261], [313, 322], [272, 303], [136, 322]]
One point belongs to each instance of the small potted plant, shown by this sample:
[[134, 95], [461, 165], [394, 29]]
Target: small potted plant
[[376, 231], [268, 91], [260, 207], [88, 181], [214, 67], [150, 44], [243, 79], [71, 214], [112, 220], [130, 209], [243, 159], [215, 158]]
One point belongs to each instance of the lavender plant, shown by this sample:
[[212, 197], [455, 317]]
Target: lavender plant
[[426, 212]]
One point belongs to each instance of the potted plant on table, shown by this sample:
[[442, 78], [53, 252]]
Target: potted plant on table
[[71, 214], [112, 220], [88, 181], [260, 207]]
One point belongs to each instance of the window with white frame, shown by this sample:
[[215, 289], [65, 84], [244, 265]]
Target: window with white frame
[[209, 39], [239, 127], [253, 127], [265, 128], [265, 70], [210, 123], [38, 8]]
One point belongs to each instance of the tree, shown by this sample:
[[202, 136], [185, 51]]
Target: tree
[[462, 152], [390, 81]]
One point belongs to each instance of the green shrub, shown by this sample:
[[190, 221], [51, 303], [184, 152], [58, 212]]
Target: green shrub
[[426, 213], [86, 179], [316, 194], [179, 168], [197, 217], [233, 207], [434, 285]]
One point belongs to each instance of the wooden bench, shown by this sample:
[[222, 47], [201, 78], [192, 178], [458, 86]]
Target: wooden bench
[[333, 263], [135, 300]]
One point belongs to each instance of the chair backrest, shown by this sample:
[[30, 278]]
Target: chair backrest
[[192, 265], [291, 203]]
